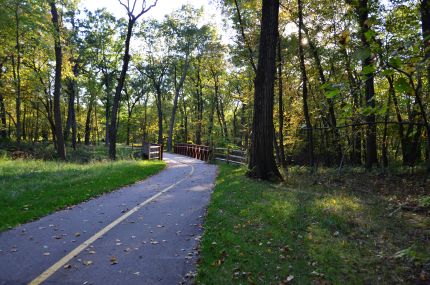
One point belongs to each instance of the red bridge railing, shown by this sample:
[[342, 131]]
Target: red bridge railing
[[201, 152]]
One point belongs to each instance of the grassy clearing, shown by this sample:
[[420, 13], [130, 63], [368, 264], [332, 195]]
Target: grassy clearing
[[30, 189], [308, 231]]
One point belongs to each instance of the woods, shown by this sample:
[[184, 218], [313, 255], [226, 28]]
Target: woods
[[301, 82]]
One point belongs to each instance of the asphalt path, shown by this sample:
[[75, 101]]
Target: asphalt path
[[146, 233]]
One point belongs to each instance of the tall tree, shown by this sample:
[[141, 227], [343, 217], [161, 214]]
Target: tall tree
[[126, 59], [309, 130], [369, 81], [262, 161], [16, 62], [182, 25], [61, 148]]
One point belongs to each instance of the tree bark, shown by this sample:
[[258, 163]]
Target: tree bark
[[61, 149], [309, 130], [262, 163]]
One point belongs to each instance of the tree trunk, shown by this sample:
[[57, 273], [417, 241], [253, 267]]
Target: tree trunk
[[24, 123], [223, 121], [178, 88], [385, 134], [160, 115], [17, 74], [119, 87], [199, 93], [211, 121], [242, 32], [106, 80], [88, 124], [243, 128], [309, 130], [185, 119], [425, 25], [331, 113], [371, 147], [3, 123], [425, 20], [282, 160], [61, 149], [36, 127], [71, 115], [262, 163]]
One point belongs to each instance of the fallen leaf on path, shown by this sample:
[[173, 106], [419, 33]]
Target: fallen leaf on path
[[87, 262], [113, 260]]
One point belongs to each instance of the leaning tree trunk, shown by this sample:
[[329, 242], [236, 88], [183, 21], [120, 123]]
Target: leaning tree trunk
[[262, 161], [309, 131], [61, 149]]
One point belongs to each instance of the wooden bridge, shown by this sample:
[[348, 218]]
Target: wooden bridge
[[207, 153]]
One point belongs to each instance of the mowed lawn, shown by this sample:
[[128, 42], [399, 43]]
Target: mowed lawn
[[301, 232], [30, 189]]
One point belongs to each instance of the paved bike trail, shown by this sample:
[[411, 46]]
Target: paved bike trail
[[124, 237]]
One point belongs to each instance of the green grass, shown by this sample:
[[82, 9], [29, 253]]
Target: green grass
[[30, 189], [306, 233]]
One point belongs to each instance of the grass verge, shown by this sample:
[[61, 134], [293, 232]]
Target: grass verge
[[308, 233], [30, 189]]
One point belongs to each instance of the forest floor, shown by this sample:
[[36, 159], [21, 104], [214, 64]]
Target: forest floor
[[31, 188], [357, 228]]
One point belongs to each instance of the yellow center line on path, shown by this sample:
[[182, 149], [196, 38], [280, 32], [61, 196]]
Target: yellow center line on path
[[63, 261]]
